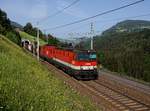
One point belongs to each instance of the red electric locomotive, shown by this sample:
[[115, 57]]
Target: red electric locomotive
[[80, 64]]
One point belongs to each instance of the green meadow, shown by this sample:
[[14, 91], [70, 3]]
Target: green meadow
[[26, 85]]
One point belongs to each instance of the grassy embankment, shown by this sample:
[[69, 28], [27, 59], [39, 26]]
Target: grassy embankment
[[26, 85], [24, 35]]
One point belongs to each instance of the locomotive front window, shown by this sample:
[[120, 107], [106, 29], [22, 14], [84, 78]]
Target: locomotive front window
[[86, 56], [92, 56]]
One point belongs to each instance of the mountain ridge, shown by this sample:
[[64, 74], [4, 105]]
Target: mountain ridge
[[128, 26], [16, 25]]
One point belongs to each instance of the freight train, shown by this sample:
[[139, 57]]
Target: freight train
[[81, 64]]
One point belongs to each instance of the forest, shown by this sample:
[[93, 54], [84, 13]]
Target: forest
[[125, 53], [7, 30]]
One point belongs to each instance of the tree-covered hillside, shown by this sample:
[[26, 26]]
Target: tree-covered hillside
[[128, 26], [127, 53], [7, 29]]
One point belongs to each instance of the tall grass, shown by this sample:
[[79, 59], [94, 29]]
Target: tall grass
[[26, 85]]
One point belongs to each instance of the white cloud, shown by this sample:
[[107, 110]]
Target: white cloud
[[73, 11]]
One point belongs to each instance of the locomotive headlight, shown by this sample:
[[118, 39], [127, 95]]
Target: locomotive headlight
[[47, 52], [95, 66], [88, 64], [73, 62]]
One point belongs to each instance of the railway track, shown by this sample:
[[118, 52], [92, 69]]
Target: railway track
[[126, 87], [141, 86], [121, 102], [107, 98]]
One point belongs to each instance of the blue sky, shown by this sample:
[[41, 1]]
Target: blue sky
[[23, 11]]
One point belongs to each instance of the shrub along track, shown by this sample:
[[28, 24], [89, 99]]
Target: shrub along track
[[107, 98]]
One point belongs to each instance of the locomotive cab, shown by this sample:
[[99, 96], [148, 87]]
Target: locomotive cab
[[87, 62]]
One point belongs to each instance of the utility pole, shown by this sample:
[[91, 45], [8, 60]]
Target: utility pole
[[37, 41], [92, 33], [71, 36]]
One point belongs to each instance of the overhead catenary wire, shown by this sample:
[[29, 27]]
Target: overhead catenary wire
[[91, 17], [58, 12], [104, 21]]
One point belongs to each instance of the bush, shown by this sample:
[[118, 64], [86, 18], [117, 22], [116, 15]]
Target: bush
[[14, 36]]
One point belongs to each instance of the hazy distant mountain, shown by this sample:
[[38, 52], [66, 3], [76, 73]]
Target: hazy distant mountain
[[16, 25], [129, 26], [73, 40]]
